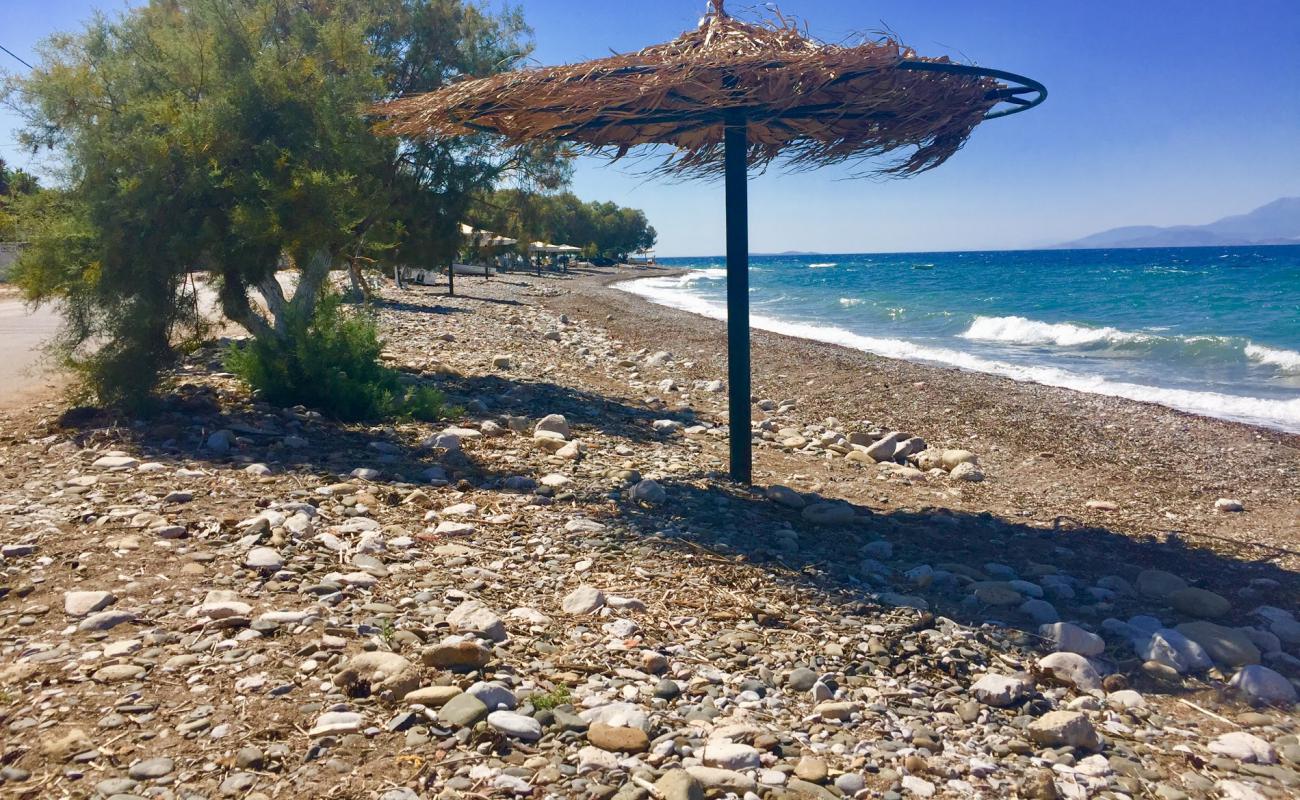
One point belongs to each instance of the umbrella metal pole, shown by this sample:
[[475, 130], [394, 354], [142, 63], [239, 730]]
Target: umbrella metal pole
[[736, 143], [451, 278]]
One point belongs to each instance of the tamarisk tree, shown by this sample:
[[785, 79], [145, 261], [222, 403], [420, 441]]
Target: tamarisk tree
[[224, 143]]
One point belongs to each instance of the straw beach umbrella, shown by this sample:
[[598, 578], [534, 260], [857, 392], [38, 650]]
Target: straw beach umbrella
[[726, 98]]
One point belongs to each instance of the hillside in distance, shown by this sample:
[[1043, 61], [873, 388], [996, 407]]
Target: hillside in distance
[[1275, 223]]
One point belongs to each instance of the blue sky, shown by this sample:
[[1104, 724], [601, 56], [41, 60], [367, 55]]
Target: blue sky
[[1161, 112]]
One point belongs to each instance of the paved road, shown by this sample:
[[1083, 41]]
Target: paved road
[[23, 376], [22, 335]]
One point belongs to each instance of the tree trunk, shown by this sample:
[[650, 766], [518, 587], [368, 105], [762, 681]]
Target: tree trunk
[[274, 323], [360, 286]]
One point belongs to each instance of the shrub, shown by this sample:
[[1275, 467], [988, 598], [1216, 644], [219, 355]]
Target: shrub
[[549, 701], [330, 362]]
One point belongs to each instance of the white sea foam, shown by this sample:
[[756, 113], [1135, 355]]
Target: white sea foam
[[1285, 360], [823, 266], [1022, 330], [1284, 414], [851, 301], [711, 274]]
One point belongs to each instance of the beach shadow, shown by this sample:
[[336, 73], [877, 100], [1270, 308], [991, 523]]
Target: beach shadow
[[416, 308], [180, 432], [535, 399], [963, 551], [496, 301], [181, 428]]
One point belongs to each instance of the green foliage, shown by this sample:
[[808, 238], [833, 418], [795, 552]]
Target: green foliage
[[329, 361], [387, 630], [230, 137], [601, 229], [552, 699], [15, 186]]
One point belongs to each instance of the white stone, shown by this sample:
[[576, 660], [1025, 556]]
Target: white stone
[[452, 528], [493, 695], [530, 615], [730, 755], [336, 723], [1171, 648], [265, 558], [1242, 746], [553, 424], [472, 616], [1126, 698], [625, 715], [593, 759], [999, 690], [1238, 790], [583, 600], [1070, 638], [918, 786], [79, 604], [516, 725], [1072, 668], [715, 777], [967, 471], [1261, 685]]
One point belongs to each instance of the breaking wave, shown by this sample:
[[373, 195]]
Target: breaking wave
[[1022, 330], [1285, 360], [1284, 414]]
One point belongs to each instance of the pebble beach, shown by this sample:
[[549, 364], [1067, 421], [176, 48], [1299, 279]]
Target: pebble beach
[[942, 584]]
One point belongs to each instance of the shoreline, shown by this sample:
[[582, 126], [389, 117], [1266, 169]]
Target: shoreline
[[1050, 452], [615, 283], [1265, 412]]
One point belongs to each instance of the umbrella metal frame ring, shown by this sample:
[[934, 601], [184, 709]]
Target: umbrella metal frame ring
[[736, 147]]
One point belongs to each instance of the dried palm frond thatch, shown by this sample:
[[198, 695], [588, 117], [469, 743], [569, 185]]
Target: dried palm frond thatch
[[807, 103]]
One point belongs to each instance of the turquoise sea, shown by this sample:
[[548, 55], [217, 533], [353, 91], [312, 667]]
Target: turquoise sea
[[1214, 331]]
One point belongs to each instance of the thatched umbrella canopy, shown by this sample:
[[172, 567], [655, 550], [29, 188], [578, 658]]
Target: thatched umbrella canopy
[[728, 97]]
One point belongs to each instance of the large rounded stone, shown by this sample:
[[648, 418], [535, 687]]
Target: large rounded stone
[[388, 676], [730, 755], [1070, 638], [834, 512], [1199, 603], [1159, 584], [678, 784], [457, 655], [1073, 669], [1262, 686], [1064, 729], [618, 738], [1227, 646], [999, 690], [553, 424], [463, 710], [516, 725]]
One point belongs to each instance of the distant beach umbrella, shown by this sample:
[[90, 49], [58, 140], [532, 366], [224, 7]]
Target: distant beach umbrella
[[726, 98]]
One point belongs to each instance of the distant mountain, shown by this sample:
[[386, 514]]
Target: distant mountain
[[1276, 223]]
